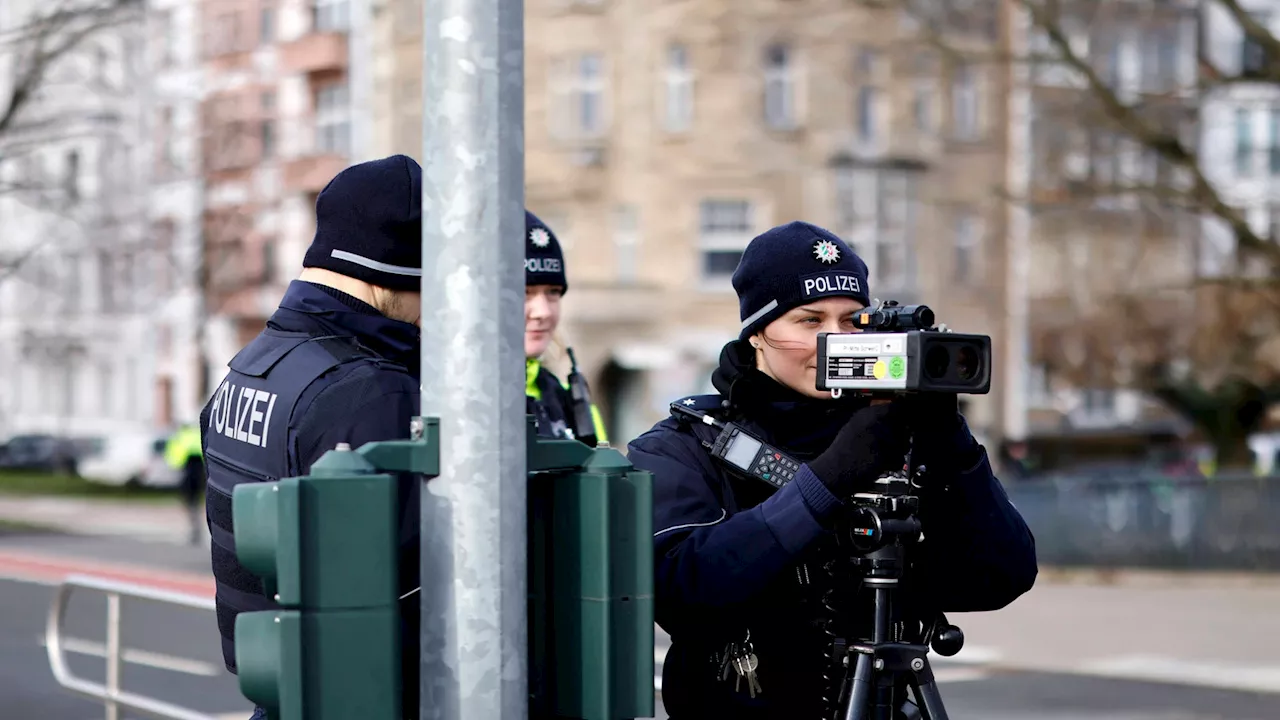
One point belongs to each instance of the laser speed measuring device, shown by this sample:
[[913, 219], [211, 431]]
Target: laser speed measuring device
[[901, 351]]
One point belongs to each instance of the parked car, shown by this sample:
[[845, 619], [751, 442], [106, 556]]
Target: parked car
[[128, 459], [41, 452]]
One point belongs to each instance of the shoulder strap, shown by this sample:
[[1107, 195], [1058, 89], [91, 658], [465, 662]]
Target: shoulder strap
[[708, 404]]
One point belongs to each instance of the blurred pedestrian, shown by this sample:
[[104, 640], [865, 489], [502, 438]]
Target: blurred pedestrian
[[182, 453]]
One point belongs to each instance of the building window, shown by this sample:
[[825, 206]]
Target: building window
[[678, 86], [72, 282], [1098, 403], [266, 25], [269, 259], [578, 108], [1273, 223], [105, 384], [163, 38], [925, 94], [1039, 387], [1244, 142], [868, 97], [268, 127], [330, 15], [1162, 53], [590, 95], [1273, 154], [226, 34], [165, 163], [71, 176], [724, 229], [69, 392], [779, 88], [333, 119], [965, 103], [626, 243], [163, 234], [1253, 56], [877, 211], [968, 239]]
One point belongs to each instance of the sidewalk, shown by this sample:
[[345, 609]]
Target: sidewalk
[[151, 521]]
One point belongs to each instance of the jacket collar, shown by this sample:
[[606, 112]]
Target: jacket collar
[[307, 307]]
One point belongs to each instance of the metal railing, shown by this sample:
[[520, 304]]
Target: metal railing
[[109, 692], [1154, 521]]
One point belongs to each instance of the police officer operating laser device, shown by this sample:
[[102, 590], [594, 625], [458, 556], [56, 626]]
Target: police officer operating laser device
[[336, 363], [763, 573], [561, 410]]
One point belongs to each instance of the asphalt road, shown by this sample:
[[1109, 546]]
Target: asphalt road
[[181, 663]]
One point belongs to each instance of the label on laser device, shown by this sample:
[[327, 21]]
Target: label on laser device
[[862, 362]]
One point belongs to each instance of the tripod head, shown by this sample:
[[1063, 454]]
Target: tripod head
[[881, 526]]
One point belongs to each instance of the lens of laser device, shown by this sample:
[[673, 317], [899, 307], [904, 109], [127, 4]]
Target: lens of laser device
[[936, 361], [968, 363], [924, 317]]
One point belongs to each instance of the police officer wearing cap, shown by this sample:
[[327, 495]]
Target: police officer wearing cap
[[561, 410], [738, 561], [336, 363]]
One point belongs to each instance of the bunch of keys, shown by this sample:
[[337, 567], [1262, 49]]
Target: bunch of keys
[[741, 658]]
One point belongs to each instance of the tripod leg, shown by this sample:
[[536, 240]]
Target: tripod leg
[[928, 697], [860, 694]]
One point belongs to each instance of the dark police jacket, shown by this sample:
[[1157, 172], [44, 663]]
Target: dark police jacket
[[733, 555], [551, 405], [328, 368]]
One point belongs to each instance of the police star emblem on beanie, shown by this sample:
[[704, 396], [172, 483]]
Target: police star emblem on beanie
[[543, 259], [369, 224], [790, 265], [539, 237], [826, 251]]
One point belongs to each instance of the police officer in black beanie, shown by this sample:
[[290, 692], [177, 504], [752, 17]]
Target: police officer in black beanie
[[738, 562], [561, 410], [336, 363]]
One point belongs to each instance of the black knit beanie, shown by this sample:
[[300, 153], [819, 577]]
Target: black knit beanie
[[369, 224], [543, 260], [790, 265]]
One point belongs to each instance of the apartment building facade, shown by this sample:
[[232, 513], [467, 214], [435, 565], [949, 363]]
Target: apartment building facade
[[76, 334], [1107, 255], [1240, 150], [278, 120], [660, 139], [175, 205]]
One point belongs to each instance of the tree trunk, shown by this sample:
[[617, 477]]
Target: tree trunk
[[1232, 453], [1227, 415]]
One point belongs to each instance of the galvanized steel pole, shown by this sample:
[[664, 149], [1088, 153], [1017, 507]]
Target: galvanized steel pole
[[474, 638]]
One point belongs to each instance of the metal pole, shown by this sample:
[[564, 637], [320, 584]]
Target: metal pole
[[113, 655], [1018, 254], [473, 514]]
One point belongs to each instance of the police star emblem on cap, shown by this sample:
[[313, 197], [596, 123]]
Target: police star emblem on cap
[[826, 251], [539, 237]]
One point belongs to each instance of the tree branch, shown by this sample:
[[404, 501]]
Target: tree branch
[[1166, 144]]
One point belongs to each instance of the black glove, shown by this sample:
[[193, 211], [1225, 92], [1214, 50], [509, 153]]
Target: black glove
[[872, 443], [940, 440]]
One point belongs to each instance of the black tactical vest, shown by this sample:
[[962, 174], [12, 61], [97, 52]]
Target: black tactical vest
[[247, 432]]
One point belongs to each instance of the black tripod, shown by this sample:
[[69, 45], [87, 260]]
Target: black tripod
[[882, 524]]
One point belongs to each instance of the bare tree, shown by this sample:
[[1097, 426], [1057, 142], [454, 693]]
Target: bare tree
[[53, 46], [1126, 200]]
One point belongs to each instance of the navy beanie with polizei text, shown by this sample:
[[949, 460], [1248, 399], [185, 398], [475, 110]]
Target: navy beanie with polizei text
[[369, 224], [790, 265], [543, 258]]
